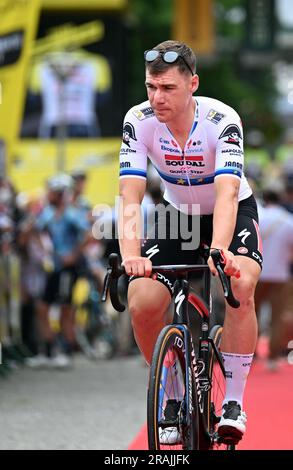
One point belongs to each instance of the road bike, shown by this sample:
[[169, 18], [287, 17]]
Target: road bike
[[186, 372]]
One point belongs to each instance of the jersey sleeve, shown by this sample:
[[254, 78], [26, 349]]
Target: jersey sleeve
[[133, 152], [229, 147]]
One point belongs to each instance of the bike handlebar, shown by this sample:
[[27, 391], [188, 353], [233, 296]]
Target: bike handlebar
[[115, 270]]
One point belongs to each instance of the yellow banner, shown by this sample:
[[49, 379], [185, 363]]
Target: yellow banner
[[18, 24], [34, 161], [84, 5], [69, 36]]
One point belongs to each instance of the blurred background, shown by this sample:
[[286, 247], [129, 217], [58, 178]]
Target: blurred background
[[69, 71]]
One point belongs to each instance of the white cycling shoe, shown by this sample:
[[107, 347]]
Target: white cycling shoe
[[170, 435], [233, 421]]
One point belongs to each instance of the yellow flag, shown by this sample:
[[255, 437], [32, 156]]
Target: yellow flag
[[18, 23]]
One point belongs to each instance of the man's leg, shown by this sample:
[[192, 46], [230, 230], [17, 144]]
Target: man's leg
[[238, 344], [67, 323], [148, 302], [68, 279]]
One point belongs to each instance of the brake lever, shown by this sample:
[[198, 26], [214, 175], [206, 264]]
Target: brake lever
[[225, 280]]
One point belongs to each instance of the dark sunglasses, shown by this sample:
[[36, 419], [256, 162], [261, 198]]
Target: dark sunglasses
[[168, 56]]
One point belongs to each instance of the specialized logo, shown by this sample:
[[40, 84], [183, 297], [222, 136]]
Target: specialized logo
[[142, 114], [244, 234], [233, 134], [128, 133], [215, 117], [152, 251], [179, 300]]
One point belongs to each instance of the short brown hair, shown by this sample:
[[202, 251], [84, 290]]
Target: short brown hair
[[158, 66]]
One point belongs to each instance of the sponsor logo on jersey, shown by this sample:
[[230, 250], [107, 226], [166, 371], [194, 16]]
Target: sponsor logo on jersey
[[244, 234], [196, 150], [233, 135], [144, 113], [128, 133], [233, 152], [190, 160], [185, 170], [125, 151], [125, 165], [166, 142], [168, 149], [234, 165], [215, 117], [198, 142], [242, 250], [256, 256]]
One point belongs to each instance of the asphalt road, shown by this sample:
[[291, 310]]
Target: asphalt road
[[96, 406]]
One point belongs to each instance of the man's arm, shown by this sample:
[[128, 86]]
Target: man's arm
[[129, 224], [225, 211], [224, 221]]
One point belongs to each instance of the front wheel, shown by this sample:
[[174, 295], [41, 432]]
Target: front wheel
[[172, 403]]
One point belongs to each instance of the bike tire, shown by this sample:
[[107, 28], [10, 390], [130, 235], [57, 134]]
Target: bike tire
[[172, 338], [216, 394]]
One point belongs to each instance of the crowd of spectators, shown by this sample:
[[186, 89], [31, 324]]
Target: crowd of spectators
[[50, 233]]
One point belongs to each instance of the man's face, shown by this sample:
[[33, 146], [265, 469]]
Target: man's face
[[170, 93]]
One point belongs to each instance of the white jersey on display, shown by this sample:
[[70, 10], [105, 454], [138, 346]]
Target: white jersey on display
[[214, 148], [78, 104]]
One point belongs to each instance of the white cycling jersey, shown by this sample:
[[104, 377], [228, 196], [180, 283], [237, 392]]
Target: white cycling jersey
[[214, 148]]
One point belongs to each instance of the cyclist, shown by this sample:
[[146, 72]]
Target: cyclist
[[196, 145]]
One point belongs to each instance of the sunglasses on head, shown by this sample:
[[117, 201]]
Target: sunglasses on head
[[168, 56]]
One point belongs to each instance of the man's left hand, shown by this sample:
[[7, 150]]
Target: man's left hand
[[232, 268]]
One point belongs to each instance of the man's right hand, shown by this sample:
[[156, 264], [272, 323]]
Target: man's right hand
[[137, 266]]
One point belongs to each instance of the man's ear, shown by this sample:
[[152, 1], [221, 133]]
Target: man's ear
[[195, 83]]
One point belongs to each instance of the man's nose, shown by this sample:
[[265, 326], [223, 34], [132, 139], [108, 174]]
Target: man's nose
[[159, 96]]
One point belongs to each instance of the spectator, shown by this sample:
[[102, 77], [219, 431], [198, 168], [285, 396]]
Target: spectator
[[68, 231], [276, 226]]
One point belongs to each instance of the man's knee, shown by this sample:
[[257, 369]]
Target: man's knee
[[145, 304], [243, 290]]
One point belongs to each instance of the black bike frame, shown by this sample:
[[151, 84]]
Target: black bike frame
[[197, 363]]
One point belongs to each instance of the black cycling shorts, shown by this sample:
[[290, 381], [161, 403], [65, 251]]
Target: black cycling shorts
[[59, 286], [246, 239]]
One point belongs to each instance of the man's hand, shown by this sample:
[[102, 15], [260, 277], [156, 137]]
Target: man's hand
[[231, 266], [137, 266]]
